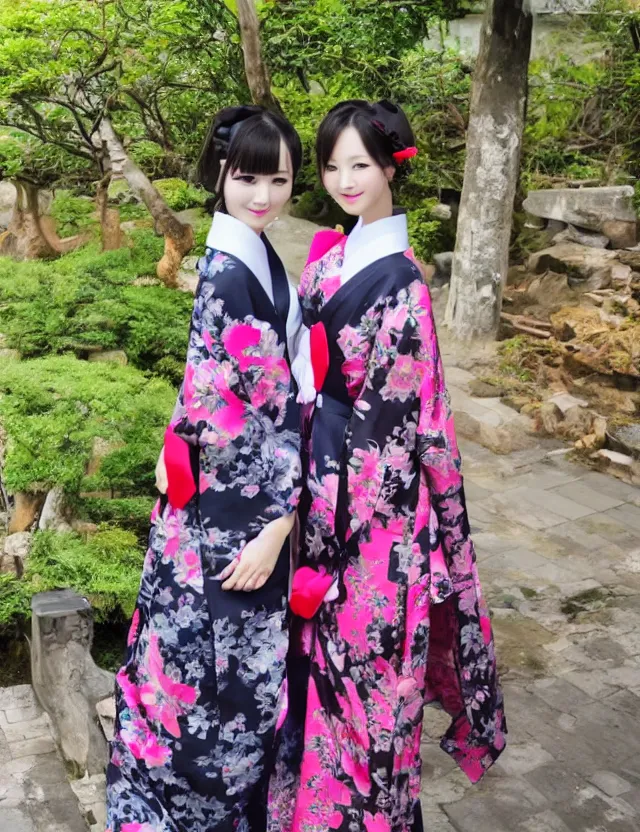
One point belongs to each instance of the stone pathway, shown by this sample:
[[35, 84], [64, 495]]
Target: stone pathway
[[35, 795], [559, 556]]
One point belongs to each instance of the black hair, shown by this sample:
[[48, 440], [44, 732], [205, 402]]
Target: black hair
[[247, 139], [383, 128]]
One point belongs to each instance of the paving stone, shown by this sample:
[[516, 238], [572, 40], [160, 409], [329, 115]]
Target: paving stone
[[507, 507], [596, 721], [605, 649], [576, 535], [18, 696], [556, 783], [588, 811], [625, 701], [545, 476], [561, 695], [610, 486], [610, 783], [15, 820], [23, 714], [510, 801], [579, 492], [517, 760], [611, 528], [546, 821], [627, 515], [26, 748], [552, 501]]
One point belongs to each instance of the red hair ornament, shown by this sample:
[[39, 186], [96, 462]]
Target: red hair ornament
[[401, 156]]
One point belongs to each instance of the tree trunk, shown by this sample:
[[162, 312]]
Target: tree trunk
[[494, 138], [24, 237], [254, 66], [178, 238], [109, 217]]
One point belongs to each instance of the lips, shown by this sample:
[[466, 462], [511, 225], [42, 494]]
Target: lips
[[352, 197], [259, 213]]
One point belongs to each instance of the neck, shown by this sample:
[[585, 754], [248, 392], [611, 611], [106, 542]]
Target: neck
[[380, 211]]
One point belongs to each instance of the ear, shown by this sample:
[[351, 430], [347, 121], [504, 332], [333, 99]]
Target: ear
[[390, 172]]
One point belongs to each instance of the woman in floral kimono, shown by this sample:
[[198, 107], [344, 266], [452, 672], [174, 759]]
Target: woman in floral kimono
[[198, 695], [389, 612]]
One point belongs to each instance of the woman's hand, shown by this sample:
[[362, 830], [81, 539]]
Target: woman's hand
[[162, 481], [258, 559]]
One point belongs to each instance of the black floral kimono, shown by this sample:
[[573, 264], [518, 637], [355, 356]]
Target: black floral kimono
[[383, 519], [199, 692]]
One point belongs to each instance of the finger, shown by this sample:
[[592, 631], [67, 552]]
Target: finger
[[245, 582], [228, 570], [261, 581], [239, 574]]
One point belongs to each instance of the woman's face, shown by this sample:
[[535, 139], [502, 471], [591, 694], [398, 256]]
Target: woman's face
[[257, 199], [355, 181]]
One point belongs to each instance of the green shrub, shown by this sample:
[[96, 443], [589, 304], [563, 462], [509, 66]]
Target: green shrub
[[85, 302], [425, 233], [105, 568], [179, 194], [73, 214], [53, 409], [131, 513]]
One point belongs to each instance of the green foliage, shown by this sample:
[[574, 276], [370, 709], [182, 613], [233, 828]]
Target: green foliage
[[179, 194], [130, 513], [104, 567], [54, 409], [87, 301], [73, 214], [425, 233]]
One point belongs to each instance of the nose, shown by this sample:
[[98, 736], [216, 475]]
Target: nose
[[261, 193], [346, 180]]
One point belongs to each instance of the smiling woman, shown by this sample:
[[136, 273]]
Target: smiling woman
[[198, 694]]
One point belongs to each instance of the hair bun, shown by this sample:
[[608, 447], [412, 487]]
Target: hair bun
[[390, 120], [227, 122]]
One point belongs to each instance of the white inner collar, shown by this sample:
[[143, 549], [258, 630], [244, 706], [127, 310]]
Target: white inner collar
[[368, 243], [229, 235]]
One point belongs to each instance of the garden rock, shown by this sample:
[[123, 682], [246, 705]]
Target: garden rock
[[66, 680], [114, 356], [15, 553], [586, 268], [608, 210], [53, 512], [592, 239], [25, 511]]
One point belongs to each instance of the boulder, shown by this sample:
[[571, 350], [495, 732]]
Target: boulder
[[571, 234], [66, 680], [586, 268], [291, 237], [626, 439], [15, 553], [631, 259], [53, 515], [188, 274], [441, 212], [26, 509], [443, 262], [565, 401], [608, 210]]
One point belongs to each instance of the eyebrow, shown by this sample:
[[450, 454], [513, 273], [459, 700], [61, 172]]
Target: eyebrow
[[351, 158]]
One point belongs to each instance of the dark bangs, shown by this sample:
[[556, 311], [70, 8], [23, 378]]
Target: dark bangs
[[360, 114], [254, 149]]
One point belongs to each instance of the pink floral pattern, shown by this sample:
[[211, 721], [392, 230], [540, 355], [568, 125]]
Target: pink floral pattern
[[410, 625], [198, 695]]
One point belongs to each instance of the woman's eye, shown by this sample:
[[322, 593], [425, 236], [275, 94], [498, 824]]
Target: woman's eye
[[245, 177], [331, 168], [280, 181], [361, 165]]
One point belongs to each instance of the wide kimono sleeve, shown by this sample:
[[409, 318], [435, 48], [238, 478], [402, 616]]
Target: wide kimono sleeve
[[402, 424], [235, 398]]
